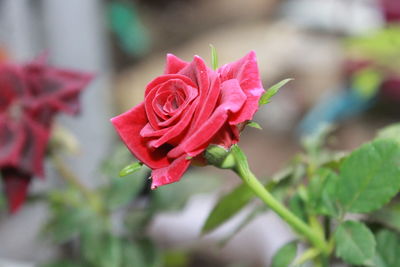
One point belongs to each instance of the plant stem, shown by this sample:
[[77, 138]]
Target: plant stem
[[297, 224], [73, 180]]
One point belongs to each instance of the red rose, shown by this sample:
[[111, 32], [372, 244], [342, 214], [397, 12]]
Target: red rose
[[30, 96], [390, 88], [186, 109], [391, 10]]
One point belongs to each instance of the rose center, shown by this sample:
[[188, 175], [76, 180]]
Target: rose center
[[174, 100]]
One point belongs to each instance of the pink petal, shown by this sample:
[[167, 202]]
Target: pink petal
[[34, 148], [178, 129], [166, 77], [149, 131], [12, 137], [128, 126], [208, 105], [52, 87], [227, 136], [15, 187], [160, 102], [171, 173], [191, 93], [174, 64], [152, 117], [157, 106], [12, 86], [390, 88], [197, 71], [245, 70], [232, 99]]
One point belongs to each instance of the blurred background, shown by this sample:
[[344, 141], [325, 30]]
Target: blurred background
[[344, 56]]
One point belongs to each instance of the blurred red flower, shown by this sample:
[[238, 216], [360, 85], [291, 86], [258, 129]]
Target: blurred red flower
[[30, 96], [391, 10], [188, 108]]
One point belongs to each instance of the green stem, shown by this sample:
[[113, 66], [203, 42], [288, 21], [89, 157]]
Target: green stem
[[297, 224], [72, 179]]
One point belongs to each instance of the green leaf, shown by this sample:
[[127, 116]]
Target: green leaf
[[131, 168], [227, 206], [355, 243], [176, 259], [214, 57], [102, 248], [266, 97], [298, 207], [392, 131], [322, 192], [254, 125], [132, 255], [150, 254], [388, 216], [366, 82], [66, 223], [63, 263], [387, 249], [111, 254], [370, 176], [122, 191], [285, 255], [380, 47]]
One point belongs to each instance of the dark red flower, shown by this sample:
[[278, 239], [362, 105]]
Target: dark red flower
[[188, 108], [390, 88], [391, 10], [30, 96]]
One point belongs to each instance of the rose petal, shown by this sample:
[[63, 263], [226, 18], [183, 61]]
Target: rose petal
[[34, 147], [51, 90], [54, 87], [208, 105], [128, 126], [149, 131], [232, 100], [152, 89], [174, 64], [197, 71], [245, 70], [155, 84], [178, 129], [26, 146], [157, 104], [171, 173], [15, 187], [227, 136], [12, 85], [12, 138], [391, 10], [390, 88], [161, 101], [152, 117], [192, 94]]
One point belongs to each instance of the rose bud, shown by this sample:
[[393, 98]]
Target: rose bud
[[30, 96], [187, 109]]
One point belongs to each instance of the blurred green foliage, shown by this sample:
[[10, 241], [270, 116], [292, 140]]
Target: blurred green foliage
[[380, 47], [322, 187], [112, 229]]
